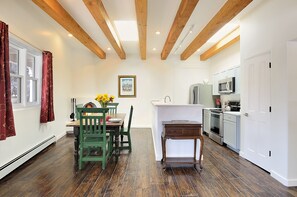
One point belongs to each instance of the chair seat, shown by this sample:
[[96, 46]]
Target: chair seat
[[94, 141]]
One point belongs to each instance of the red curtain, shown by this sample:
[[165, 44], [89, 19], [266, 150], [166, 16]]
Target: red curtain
[[47, 102], [7, 128]]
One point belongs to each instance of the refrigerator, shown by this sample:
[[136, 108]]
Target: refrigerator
[[202, 94]]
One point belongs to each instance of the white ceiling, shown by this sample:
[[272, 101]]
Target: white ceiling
[[161, 14]]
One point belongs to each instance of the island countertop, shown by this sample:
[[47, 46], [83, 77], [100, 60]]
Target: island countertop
[[158, 103]]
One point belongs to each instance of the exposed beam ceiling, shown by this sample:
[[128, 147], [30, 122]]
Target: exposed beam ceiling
[[206, 16], [100, 15], [183, 14], [230, 9], [60, 15], [141, 15], [224, 43]]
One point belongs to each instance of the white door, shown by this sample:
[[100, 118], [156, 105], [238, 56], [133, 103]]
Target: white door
[[256, 110]]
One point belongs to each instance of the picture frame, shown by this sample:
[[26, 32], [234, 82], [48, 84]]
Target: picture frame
[[127, 86]]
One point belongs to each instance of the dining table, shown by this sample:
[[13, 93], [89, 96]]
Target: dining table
[[110, 125]]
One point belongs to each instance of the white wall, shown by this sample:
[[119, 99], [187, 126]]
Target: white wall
[[226, 59], [292, 113], [268, 28], [155, 79], [31, 24]]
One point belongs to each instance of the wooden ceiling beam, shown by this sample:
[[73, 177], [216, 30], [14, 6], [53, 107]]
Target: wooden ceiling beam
[[183, 14], [230, 9], [100, 15], [228, 40], [61, 16], [141, 15]]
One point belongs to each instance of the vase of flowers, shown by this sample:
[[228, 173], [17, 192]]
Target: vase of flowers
[[104, 99]]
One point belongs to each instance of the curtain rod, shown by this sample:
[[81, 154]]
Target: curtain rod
[[26, 41]]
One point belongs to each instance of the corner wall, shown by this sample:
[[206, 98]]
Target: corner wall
[[226, 59], [268, 28], [155, 79], [31, 24]]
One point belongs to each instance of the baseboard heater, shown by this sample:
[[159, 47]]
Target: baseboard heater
[[18, 161]]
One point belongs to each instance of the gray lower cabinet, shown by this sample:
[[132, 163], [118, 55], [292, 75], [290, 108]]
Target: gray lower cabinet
[[232, 131]]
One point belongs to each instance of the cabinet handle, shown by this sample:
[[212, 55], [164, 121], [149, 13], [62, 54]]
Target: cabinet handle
[[246, 114]]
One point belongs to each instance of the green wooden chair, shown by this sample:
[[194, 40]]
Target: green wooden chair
[[125, 145], [113, 108], [76, 111], [92, 136]]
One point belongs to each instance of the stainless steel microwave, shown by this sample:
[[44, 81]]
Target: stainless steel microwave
[[227, 86]]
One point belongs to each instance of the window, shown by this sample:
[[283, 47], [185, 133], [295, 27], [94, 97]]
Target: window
[[31, 80], [25, 73], [15, 78]]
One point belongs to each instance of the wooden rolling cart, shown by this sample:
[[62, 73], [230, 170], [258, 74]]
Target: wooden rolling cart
[[182, 130]]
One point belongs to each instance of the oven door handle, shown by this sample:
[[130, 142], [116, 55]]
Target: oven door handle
[[215, 113]]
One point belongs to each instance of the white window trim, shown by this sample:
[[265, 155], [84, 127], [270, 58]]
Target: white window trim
[[24, 49]]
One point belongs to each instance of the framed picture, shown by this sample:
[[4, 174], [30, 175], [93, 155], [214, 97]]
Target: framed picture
[[127, 85]]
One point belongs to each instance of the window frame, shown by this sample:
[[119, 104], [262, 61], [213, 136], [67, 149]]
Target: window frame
[[25, 49]]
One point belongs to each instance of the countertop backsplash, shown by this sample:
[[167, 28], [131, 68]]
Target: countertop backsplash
[[229, 97]]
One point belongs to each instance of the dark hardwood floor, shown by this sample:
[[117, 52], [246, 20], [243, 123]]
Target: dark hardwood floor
[[51, 173]]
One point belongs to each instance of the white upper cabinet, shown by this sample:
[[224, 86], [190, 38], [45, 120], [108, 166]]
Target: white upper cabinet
[[215, 87], [228, 73], [232, 72]]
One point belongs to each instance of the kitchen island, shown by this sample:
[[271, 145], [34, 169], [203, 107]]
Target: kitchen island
[[167, 112]]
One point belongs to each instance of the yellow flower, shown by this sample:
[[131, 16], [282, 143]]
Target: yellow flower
[[104, 99], [99, 97]]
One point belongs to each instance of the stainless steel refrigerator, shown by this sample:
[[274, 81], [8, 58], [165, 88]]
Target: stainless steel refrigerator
[[202, 94]]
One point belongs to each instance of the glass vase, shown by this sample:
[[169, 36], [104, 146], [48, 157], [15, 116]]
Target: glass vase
[[103, 105]]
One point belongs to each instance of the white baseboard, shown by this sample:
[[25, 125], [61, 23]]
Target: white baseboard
[[141, 127], [283, 180], [278, 177], [60, 136], [241, 153], [18, 161]]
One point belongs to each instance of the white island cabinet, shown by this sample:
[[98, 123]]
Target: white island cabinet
[[167, 112], [232, 130]]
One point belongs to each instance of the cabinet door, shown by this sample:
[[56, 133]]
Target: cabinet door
[[230, 133], [215, 82], [237, 80], [229, 73], [206, 121]]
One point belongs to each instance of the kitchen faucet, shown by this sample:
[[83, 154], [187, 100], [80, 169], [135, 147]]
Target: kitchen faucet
[[167, 97]]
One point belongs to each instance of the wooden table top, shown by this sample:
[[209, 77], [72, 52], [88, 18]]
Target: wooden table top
[[118, 115], [182, 122]]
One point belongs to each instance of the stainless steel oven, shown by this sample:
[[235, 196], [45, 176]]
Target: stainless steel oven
[[216, 126]]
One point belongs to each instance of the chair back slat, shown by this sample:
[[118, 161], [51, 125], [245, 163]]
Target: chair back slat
[[92, 122], [113, 108], [130, 118]]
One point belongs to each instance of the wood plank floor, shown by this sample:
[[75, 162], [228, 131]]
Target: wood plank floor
[[51, 173]]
